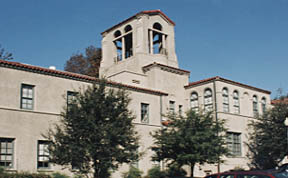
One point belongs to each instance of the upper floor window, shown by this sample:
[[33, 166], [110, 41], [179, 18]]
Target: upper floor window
[[43, 154], [123, 44], [263, 104], [208, 101], [255, 105], [157, 40], [225, 97], [71, 97], [194, 102], [27, 95], [6, 152], [180, 110], [144, 113], [172, 107], [234, 143], [236, 104]]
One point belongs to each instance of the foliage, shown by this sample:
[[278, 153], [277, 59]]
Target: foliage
[[190, 139], [5, 55], [86, 64], [175, 170], [155, 172], [268, 138], [95, 132], [133, 173], [59, 175], [3, 174]]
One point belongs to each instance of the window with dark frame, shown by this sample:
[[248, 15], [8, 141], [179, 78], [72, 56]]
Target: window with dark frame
[[225, 96], [236, 104], [255, 106], [43, 155], [27, 95], [234, 143], [263, 104], [144, 113], [172, 107], [208, 100], [71, 97], [194, 102], [6, 152]]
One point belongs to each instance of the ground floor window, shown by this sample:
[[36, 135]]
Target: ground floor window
[[43, 155], [6, 152]]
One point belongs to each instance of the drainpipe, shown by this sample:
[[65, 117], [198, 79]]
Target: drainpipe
[[161, 127], [216, 117]]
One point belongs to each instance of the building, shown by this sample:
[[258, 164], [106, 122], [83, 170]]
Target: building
[[138, 54]]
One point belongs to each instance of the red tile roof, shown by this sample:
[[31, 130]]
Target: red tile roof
[[70, 75], [277, 101], [148, 12], [227, 81], [177, 70]]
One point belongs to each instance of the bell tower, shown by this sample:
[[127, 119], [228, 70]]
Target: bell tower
[[141, 40]]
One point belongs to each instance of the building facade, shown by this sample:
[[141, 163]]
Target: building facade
[[139, 55]]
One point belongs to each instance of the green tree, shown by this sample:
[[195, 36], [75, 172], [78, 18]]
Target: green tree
[[86, 64], [5, 55], [268, 137], [133, 173], [190, 139], [95, 134]]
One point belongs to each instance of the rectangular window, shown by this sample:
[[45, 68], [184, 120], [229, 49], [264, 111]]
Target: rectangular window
[[43, 155], [172, 107], [6, 152], [144, 113], [27, 95], [71, 97], [234, 143], [180, 109]]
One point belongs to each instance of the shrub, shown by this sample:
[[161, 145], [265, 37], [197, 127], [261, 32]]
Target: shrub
[[155, 172], [58, 175], [132, 173]]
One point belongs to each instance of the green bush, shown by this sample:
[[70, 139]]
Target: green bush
[[155, 172], [23, 175], [133, 173], [176, 171], [58, 175]]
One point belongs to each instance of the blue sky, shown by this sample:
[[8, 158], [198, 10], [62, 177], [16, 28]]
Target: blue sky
[[241, 40]]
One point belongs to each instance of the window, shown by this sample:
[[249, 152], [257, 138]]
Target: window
[[236, 102], [255, 105], [208, 101], [234, 143], [6, 152], [180, 109], [144, 113], [27, 94], [225, 97], [43, 155], [172, 107], [157, 40], [123, 44], [194, 102], [71, 97], [263, 104]]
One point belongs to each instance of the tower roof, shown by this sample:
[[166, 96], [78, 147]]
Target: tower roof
[[148, 12]]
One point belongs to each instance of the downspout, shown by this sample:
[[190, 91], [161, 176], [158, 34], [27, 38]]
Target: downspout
[[216, 118], [161, 126]]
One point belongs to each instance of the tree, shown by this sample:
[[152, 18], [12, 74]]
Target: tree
[[268, 137], [95, 133], [87, 64], [190, 139], [5, 55]]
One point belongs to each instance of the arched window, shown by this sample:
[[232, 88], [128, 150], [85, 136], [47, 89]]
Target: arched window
[[117, 33], [157, 40], [208, 101], [127, 28], [255, 105], [157, 26], [236, 104], [225, 97], [263, 104], [194, 102]]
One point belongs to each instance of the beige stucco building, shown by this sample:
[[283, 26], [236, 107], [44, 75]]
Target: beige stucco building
[[138, 54]]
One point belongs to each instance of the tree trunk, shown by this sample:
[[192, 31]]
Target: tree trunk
[[192, 169]]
